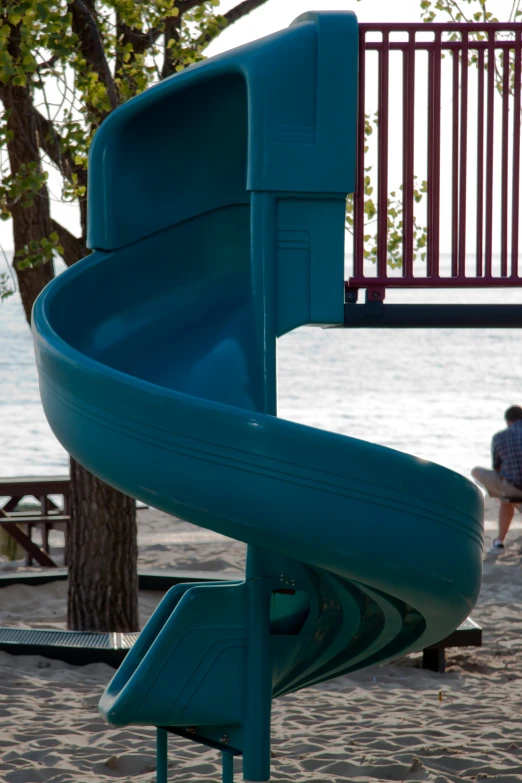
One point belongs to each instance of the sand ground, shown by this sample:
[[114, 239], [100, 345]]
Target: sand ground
[[390, 723]]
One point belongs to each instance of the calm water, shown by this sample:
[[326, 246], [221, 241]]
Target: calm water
[[439, 394]]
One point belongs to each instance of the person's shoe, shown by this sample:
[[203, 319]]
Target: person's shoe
[[497, 548]]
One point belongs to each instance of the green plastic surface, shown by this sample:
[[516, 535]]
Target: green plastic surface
[[216, 209]]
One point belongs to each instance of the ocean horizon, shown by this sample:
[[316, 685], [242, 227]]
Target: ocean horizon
[[439, 394]]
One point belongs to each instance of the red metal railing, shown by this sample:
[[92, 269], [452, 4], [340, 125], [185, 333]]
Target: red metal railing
[[447, 102]]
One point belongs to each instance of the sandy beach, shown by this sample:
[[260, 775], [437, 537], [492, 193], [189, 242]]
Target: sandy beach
[[394, 722]]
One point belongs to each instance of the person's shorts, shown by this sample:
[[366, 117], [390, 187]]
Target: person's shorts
[[495, 485]]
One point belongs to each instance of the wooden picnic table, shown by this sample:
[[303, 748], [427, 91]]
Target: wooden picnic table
[[48, 516]]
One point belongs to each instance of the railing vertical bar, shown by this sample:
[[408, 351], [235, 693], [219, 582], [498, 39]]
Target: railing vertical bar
[[493, 216], [358, 204], [382, 158], [489, 152], [408, 154], [505, 161], [435, 188], [480, 163], [455, 168], [516, 158], [431, 145], [463, 154]]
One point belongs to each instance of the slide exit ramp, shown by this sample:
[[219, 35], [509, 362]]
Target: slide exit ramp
[[217, 218]]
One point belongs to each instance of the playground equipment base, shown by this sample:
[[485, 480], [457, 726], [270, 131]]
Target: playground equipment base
[[76, 647], [83, 647], [148, 578], [468, 634]]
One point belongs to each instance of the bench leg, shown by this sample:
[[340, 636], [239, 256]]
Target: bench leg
[[66, 545], [45, 536], [66, 511], [44, 527], [29, 534], [434, 660]]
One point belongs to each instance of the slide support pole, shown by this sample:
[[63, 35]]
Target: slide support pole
[[228, 767], [258, 691], [161, 756]]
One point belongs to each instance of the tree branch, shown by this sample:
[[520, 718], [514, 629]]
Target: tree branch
[[187, 5], [73, 247], [172, 32], [85, 26], [49, 140], [31, 221], [244, 8], [140, 41], [240, 10], [232, 16], [50, 63]]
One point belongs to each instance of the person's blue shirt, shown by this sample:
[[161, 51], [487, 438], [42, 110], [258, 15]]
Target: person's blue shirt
[[506, 448]]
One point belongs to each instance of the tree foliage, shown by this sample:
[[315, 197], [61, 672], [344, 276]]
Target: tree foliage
[[476, 11], [71, 64], [466, 11], [395, 212]]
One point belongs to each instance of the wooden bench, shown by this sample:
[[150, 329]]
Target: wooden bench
[[469, 634], [19, 524], [48, 516]]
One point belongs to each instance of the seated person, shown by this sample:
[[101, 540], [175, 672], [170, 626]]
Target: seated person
[[505, 480]]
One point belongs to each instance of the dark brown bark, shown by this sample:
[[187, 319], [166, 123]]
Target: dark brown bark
[[49, 141], [103, 580], [84, 24], [242, 9], [172, 32], [234, 15], [33, 280], [73, 247], [29, 223], [102, 546], [140, 42]]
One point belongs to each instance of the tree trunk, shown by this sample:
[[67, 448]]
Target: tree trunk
[[103, 549], [102, 545], [103, 579], [29, 223]]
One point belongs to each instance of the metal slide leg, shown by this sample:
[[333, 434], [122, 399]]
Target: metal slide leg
[[258, 692], [161, 756], [228, 767]]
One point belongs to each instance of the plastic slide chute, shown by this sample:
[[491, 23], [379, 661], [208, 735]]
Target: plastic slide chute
[[217, 220]]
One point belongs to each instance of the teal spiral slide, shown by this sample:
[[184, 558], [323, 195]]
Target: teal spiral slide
[[217, 218]]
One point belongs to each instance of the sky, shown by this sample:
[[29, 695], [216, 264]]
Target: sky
[[276, 14], [273, 16]]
